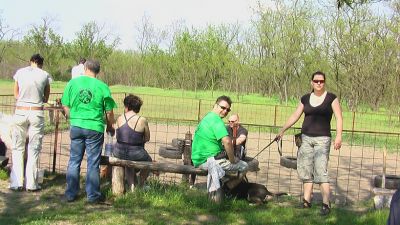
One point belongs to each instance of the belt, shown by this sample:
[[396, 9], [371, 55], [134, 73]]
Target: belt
[[29, 107]]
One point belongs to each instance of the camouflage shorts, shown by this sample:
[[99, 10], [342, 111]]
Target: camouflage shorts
[[312, 159], [226, 165]]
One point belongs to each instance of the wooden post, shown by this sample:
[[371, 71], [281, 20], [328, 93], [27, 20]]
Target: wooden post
[[118, 186], [55, 140], [384, 168], [187, 154]]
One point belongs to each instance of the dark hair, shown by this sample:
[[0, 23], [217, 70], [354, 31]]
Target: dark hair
[[82, 61], [38, 59], [224, 98], [133, 102], [93, 66], [318, 73]]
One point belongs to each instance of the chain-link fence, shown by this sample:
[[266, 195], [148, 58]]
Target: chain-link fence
[[352, 169]]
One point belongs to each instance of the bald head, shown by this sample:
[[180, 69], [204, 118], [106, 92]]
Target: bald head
[[233, 120]]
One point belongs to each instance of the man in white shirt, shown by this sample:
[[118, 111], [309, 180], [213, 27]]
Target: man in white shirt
[[79, 69], [31, 91]]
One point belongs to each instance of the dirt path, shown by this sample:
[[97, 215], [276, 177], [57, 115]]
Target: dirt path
[[351, 169]]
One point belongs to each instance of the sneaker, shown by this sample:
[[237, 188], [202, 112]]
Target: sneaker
[[325, 210]]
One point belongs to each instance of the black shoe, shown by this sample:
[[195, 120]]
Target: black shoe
[[305, 204], [100, 200], [325, 210], [34, 190], [67, 199], [16, 189]]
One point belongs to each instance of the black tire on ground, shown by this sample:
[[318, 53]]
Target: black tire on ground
[[289, 162], [176, 142], [253, 164], [170, 152], [391, 181]]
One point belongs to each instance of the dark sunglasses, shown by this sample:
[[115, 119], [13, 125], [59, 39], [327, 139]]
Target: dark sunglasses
[[231, 121], [318, 81], [224, 108]]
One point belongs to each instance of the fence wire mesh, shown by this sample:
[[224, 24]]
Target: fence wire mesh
[[352, 169]]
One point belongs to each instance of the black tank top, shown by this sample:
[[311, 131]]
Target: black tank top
[[127, 135], [317, 120]]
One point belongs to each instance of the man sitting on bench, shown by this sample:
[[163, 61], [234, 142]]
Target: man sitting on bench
[[210, 138], [239, 136]]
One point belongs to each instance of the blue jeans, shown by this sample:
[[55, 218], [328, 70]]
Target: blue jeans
[[92, 141]]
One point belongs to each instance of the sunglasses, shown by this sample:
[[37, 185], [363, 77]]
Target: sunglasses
[[224, 108], [231, 121], [318, 81]]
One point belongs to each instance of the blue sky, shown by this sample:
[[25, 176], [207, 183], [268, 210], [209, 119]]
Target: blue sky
[[121, 16]]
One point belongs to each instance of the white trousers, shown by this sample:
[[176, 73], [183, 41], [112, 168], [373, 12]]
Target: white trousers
[[29, 122]]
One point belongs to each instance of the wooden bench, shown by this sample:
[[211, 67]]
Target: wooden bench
[[188, 171], [119, 165]]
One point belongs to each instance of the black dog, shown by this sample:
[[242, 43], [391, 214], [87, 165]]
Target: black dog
[[254, 193]]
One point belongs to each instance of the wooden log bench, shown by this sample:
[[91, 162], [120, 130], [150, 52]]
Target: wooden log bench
[[120, 164]]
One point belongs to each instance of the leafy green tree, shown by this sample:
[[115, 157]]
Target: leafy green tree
[[92, 42], [44, 40]]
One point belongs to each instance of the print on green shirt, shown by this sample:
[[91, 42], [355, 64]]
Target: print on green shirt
[[87, 98]]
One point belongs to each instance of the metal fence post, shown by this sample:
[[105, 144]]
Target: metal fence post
[[55, 140], [198, 110]]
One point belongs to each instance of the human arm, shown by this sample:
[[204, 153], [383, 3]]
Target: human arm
[[110, 121], [227, 142], [241, 139], [66, 111], [241, 135], [339, 123], [16, 90], [46, 93], [292, 120], [146, 136]]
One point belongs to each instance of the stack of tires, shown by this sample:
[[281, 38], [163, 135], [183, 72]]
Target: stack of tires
[[391, 181], [173, 151]]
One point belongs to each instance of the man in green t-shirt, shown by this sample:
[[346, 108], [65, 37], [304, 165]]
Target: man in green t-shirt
[[211, 137], [86, 100]]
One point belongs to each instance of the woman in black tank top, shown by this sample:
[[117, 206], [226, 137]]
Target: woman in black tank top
[[313, 154], [132, 133]]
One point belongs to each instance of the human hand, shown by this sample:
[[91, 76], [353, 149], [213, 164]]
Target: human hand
[[110, 130], [338, 143], [279, 136]]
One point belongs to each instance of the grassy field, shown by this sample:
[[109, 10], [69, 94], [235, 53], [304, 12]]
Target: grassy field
[[168, 204]]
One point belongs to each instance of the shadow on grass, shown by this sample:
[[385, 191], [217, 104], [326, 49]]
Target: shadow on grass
[[165, 204]]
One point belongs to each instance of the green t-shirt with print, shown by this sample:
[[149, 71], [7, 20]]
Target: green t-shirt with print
[[87, 97], [207, 138]]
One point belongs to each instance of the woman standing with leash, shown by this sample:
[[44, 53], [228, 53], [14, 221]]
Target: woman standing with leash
[[312, 157]]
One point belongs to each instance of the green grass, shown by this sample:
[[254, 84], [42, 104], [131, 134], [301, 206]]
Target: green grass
[[3, 174], [170, 204]]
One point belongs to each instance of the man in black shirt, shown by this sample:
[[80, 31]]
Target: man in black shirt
[[238, 135]]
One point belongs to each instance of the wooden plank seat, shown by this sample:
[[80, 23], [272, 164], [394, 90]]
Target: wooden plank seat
[[118, 165], [157, 166]]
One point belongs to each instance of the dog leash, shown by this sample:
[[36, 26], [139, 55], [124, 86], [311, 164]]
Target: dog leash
[[279, 147]]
